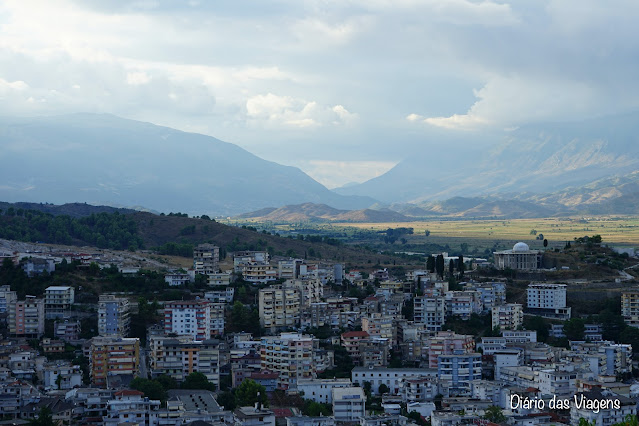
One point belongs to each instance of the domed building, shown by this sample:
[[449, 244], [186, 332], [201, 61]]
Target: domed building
[[521, 257]]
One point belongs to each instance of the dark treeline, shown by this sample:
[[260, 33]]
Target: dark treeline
[[104, 230]]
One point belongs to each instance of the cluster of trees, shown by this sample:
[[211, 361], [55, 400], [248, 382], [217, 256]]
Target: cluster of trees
[[175, 249], [437, 264], [104, 230], [393, 234], [246, 394], [244, 318]]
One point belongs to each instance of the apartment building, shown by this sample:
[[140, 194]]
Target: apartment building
[[179, 356], [113, 315], [217, 318], [380, 326], [321, 390], [58, 301], [459, 370], [629, 307], [279, 308], [391, 377], [463, 304], [67, 330], [177, 280], [508, 317], [351, 342], [348, 404], [6, 297], [291, 269], [430, 311], [26, 317], [111, 357], [188, 317], [206, 259], [548, 300], [491, 294], [290, 355], [448, 343], [220, 279]]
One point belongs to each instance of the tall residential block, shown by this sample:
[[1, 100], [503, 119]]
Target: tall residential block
[[7, 296], [111, 357], [630, 307], [58, 301], [206, 259], [188, 317], [26, 317], [113, 315], [279, 308], [508, 317], [290, 355], [548, 300], [180, 356]]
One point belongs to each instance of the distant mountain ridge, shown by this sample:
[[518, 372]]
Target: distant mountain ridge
[[310, 212], [107, 160], [543, 158]]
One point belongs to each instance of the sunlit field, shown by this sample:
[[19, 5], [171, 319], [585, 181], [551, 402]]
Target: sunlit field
[[618, 230]]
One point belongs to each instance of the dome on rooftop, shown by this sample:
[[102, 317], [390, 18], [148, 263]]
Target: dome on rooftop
[[521, 247]]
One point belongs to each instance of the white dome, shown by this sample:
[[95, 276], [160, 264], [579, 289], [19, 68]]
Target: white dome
[[521, 247]]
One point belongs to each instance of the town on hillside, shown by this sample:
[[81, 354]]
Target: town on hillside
[[250, 338]]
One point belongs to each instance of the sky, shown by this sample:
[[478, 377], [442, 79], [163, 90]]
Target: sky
[[342, 89]]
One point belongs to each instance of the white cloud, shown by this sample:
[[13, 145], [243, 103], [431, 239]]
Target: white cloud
[[294, 112], [137, 78]]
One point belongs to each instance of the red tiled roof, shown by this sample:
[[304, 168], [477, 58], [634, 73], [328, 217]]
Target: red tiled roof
[[355, 334], [282, 412]]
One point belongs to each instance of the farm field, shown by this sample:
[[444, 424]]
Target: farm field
[[616, 230]]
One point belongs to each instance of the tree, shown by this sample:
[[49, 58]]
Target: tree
[[427, 233], [44, 418], [461, 266], [152, 389], [538, 324], [574, 329], [249, 392], [383, 389], [439, 265], [451, 267], [197, 380], [430, 264], [494, 414]]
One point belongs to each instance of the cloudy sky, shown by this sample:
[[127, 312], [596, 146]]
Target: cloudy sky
[[342, 89]]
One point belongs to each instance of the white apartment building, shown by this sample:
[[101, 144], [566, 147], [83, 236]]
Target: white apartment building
[[113, 315], [177, 279], [463, 303], [391, 377], [58, 301], [508, 317], [61, 376], [548, 300], [191, 317], [321, 390]]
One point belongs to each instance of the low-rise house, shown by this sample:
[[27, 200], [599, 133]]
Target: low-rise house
[[391, 377], [61, 376], [67, 330]]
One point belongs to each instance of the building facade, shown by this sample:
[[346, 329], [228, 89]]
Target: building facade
[[113, 315]]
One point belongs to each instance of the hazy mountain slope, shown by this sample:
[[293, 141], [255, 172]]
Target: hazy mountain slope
[[322, 213], [538, 158], [103, 159]]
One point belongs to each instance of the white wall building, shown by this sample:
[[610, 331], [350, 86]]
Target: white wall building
[[548, 300]]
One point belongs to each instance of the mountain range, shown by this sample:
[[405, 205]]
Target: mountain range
[[547, 169], [106, 160]]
